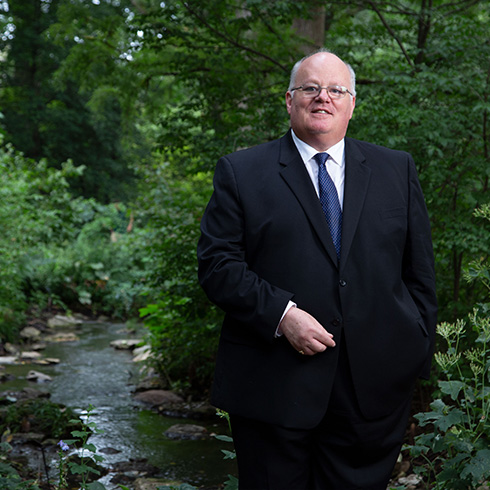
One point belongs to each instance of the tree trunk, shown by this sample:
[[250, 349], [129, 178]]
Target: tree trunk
[[312, 30]]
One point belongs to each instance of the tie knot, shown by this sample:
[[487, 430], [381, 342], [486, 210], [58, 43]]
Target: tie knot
[[321, 158]]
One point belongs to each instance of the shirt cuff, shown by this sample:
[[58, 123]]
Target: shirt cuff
[[288, 307]]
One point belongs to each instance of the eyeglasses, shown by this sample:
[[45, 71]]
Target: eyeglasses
[[313, 90]]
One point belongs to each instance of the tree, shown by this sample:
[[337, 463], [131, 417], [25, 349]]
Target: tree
[[49, 117]]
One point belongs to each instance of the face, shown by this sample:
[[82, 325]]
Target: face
[[321, 121]]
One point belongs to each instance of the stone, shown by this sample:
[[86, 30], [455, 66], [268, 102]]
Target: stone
[[62, 337], [30, 356], [31, 394], [8, 359], [150, 382], [109, 450], [30, 333], [157, 398], [47, 361], [38, 377], [10, 348], [142, 353], [186, 432], [411, 479], [125, 344], [63, 321], [199, 411], [4, 377], [38, 346], [25, 437]]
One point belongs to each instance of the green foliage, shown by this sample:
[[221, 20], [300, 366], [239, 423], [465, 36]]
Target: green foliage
[[35, 207], [232, 57], [456, 446], [39, 415], [98, 272], [183, 326], [60, 250], [232, 482], [46, 117], [84, 468], [10, 477]]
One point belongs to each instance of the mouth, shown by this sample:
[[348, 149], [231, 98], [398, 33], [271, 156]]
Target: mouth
[[321, 111]]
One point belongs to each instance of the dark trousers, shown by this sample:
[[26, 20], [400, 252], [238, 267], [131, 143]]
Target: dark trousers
[[344, 452]]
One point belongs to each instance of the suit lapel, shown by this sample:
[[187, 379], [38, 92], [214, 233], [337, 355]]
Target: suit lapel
[[357, 175], [298, 180]]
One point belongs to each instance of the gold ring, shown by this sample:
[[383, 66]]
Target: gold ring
[[302, 352]]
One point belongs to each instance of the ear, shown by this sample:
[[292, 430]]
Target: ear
[[353, 107], [289, 101]]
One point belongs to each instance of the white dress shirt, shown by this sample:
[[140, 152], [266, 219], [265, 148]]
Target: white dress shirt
[[336, 169], [335, 164]]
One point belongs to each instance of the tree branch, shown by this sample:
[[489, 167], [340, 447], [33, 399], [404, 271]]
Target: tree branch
[[232, 41], [392, 33]]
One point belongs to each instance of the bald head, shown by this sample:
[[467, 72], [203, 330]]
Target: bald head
[[320, 119]]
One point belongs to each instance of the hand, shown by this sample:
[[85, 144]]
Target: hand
[[304, 333]]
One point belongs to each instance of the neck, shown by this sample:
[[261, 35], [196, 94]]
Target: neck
[[319, 142]]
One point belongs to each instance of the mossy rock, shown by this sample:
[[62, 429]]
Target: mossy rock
[[38, 415]]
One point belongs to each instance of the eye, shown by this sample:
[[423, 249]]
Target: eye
[[310, 89], [335, 90]]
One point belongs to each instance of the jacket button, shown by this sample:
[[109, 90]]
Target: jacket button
[[342, 283], [336, 322]]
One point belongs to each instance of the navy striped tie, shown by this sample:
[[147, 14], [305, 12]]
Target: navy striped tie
[[329, 200]]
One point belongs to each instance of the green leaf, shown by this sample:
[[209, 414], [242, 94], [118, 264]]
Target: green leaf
[[96, 486], [90, 447], [224, 438], [231, 483], [451, 388], [78, 469], [478, 467], [80, 434]]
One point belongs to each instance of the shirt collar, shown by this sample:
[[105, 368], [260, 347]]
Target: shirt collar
[[336, 152]]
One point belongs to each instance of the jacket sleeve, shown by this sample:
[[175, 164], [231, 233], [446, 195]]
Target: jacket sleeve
[[418, 261], [223, 266]]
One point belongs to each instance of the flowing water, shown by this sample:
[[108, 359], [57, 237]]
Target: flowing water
[[91, 372]]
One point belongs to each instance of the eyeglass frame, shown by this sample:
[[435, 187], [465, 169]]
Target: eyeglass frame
[[343, 90]]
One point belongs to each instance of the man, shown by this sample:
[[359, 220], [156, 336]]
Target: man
[[329, 296]]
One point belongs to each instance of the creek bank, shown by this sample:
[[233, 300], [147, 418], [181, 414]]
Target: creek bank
[[148, 394]]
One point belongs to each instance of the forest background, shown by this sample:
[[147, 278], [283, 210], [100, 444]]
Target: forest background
[[114, 113]]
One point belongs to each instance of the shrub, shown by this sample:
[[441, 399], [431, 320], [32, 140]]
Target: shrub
[[456, 445], [37, 415], [183, 325]]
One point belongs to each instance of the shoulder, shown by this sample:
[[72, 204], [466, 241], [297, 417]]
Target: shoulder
[[269, 150], [375, 152]]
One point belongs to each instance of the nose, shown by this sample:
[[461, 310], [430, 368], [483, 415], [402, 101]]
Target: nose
[[324, 95]]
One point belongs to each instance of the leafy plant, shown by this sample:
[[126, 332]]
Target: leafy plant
[[39, 415], [10, 477], [456, 446], [183, 327], [232, 482], [85, 468]]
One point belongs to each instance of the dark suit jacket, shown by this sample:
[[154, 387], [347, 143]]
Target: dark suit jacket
[[265, 241]]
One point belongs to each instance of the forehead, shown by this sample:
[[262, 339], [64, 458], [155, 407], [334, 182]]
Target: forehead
[[324, 68]]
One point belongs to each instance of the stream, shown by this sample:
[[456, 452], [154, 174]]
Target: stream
[[91, 372]]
